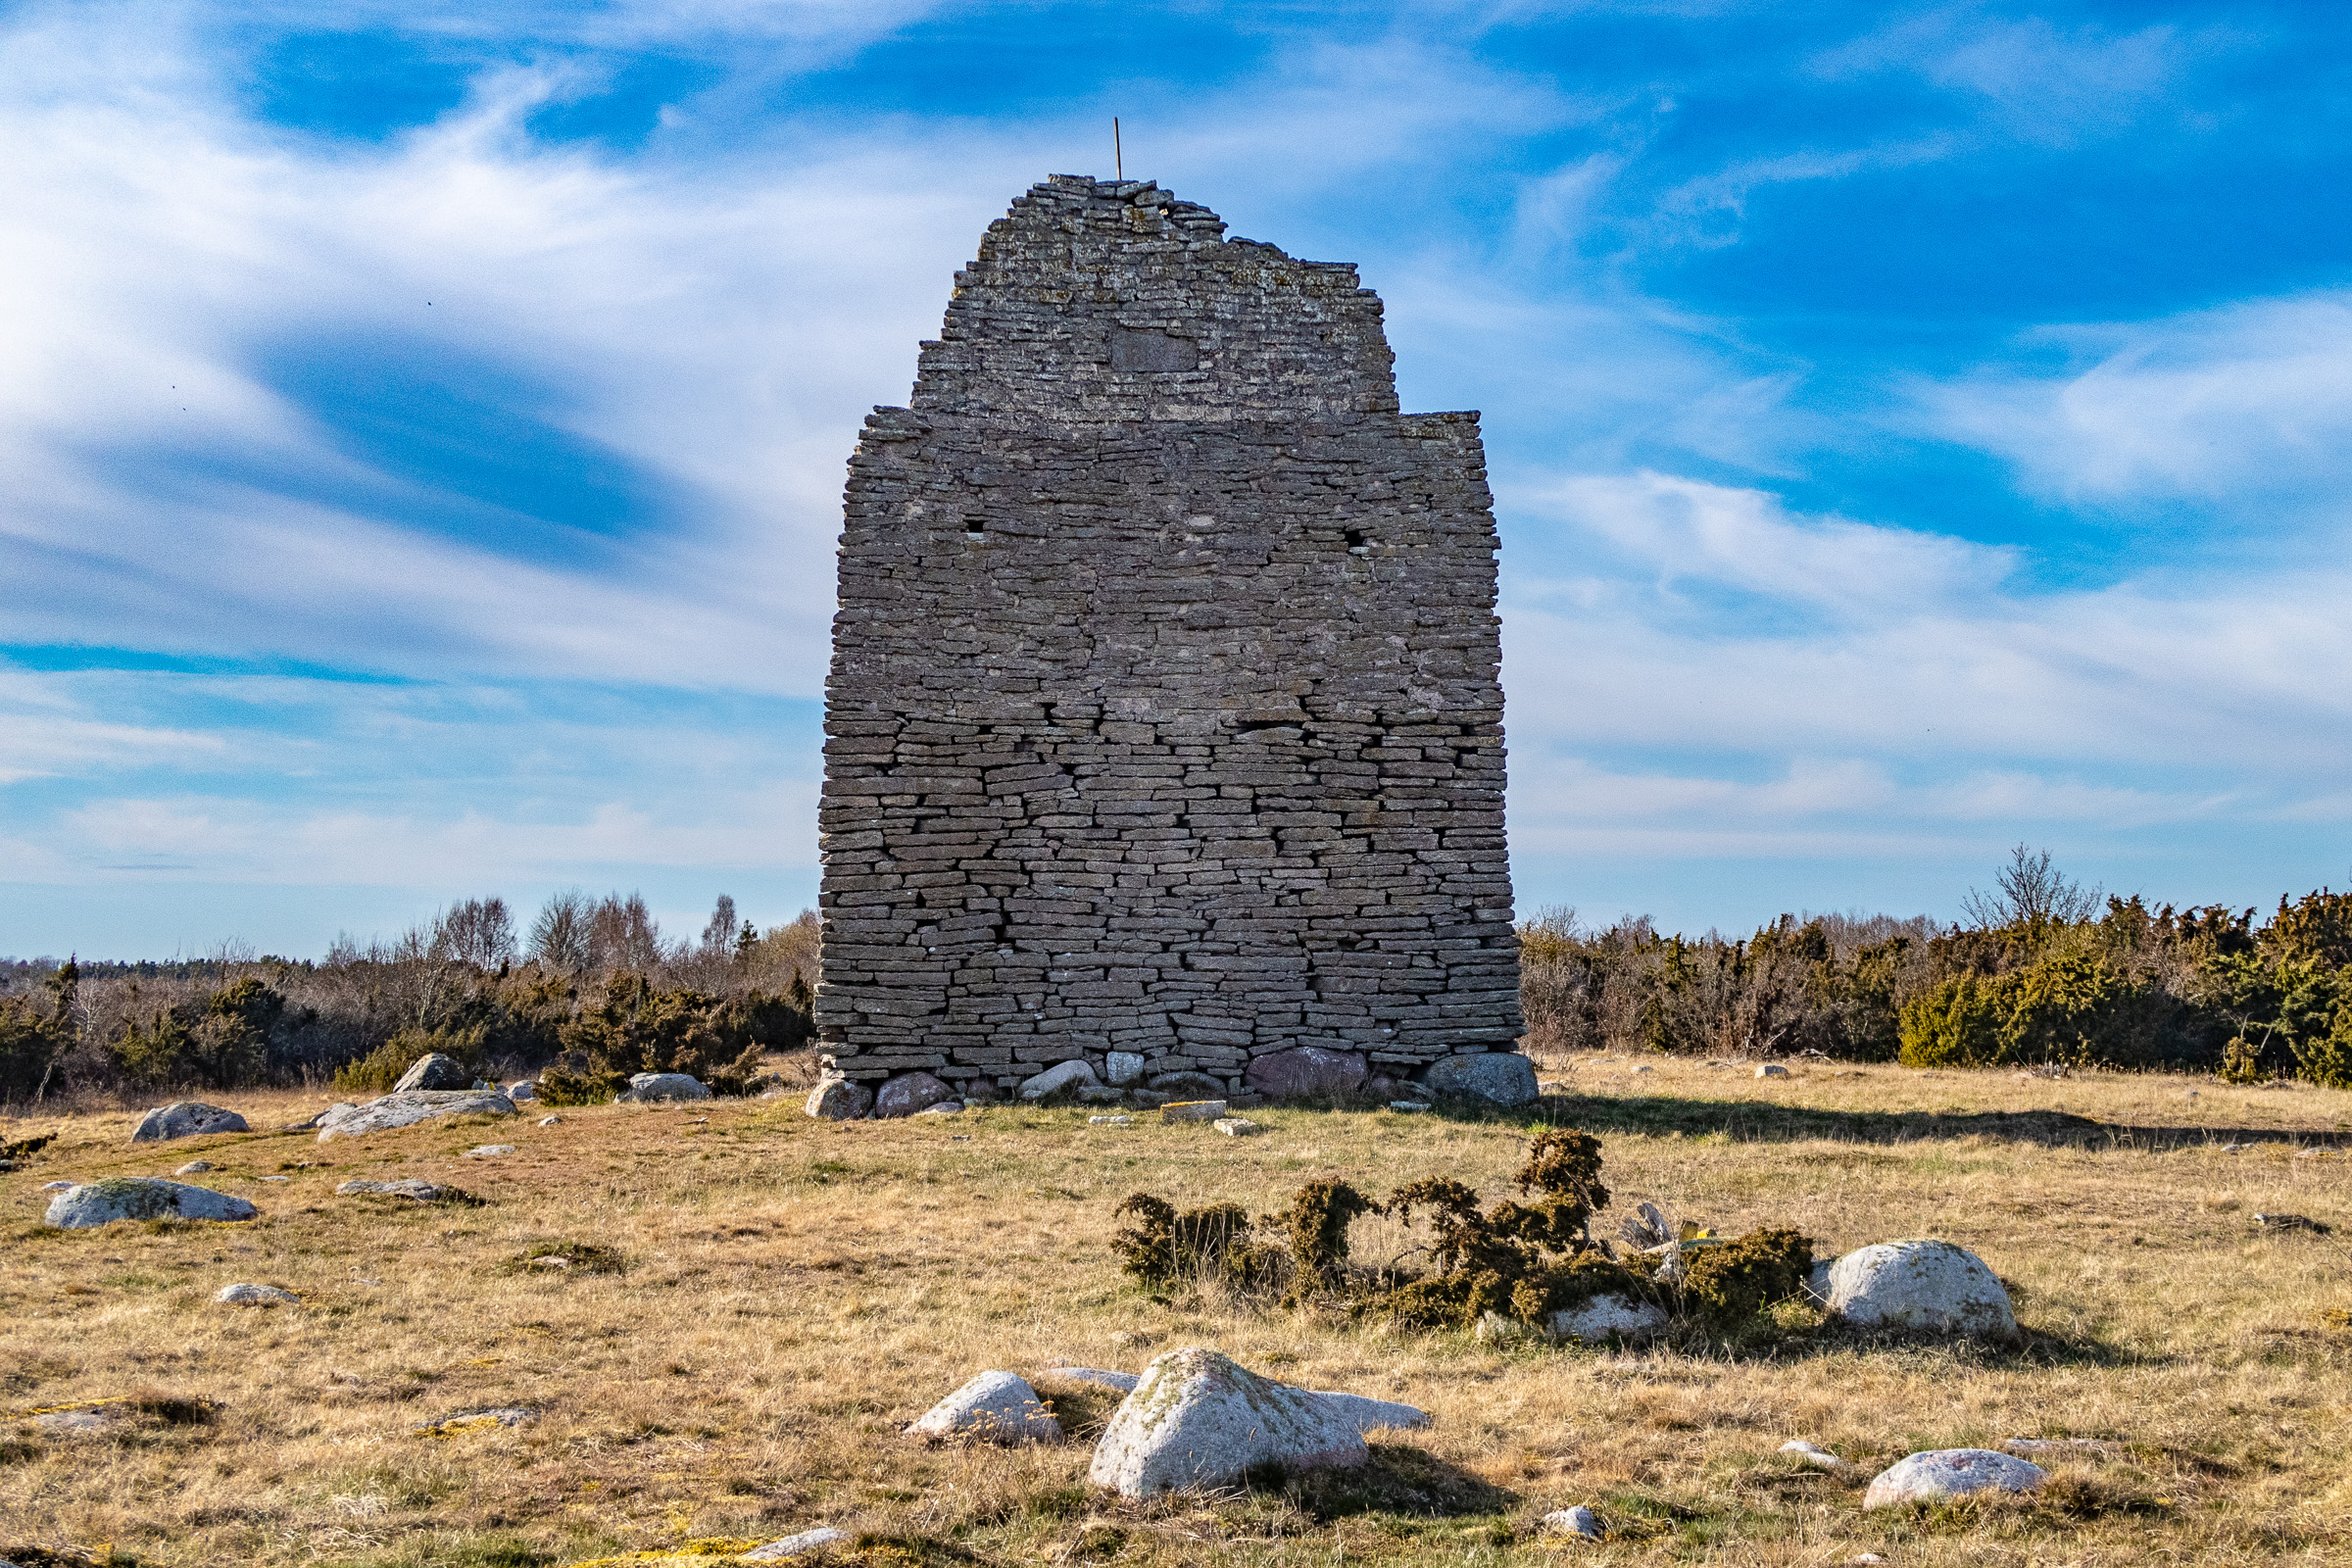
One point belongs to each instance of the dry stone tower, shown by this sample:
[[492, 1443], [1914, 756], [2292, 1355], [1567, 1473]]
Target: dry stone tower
[[1165, 716]]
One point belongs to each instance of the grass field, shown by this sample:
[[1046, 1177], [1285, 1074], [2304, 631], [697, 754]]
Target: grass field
[[786, 1295]]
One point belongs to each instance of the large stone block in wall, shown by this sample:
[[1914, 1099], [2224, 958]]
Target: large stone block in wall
[[1164, 716]]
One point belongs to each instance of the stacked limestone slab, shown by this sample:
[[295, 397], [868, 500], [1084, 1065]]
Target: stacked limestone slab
[[1164, 714]]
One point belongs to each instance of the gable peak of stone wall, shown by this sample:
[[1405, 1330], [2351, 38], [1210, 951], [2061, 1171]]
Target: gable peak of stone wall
[[1097, 301]]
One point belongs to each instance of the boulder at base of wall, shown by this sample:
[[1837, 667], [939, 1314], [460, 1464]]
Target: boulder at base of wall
[[1950, 1473], [1504, 1077], [1197, 1420], [1121, 1068], [185, 1119], [114, 1197], [1188, 1085], [909, 1093], [1307, 1072], [839, 1098], [434, 1071], [1061, 1075], [406, 1110], [1920, 1285], [652, 1086]]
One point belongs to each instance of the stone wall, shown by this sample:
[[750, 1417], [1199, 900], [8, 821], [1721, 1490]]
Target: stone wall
[[1164, 714]]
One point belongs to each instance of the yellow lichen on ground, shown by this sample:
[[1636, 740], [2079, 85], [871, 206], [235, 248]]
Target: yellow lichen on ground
[[790, 1293]]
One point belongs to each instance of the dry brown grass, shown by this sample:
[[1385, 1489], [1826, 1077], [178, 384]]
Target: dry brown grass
[[795, 1292]]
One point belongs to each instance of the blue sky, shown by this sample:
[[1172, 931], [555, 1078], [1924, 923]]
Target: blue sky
[[1913, 431]]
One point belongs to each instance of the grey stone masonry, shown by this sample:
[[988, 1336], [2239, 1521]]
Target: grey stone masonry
[[1164, 714]]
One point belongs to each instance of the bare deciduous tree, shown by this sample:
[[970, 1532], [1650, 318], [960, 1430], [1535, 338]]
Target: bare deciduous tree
[[2029, 891]]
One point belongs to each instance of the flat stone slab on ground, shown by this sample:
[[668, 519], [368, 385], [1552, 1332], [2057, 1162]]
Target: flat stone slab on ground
[[1819, 1458], [253, 1296], [117, 1197], [1199, 1420], [406, 1110], [1611, 1316], [1950, 1473], [794, 1546], [994, 1407], [1193, 1110], [409, 1187], [185, 1119], [1238, 1127]]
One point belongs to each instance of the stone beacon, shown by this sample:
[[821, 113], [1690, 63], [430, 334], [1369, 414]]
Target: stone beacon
[[1164, 719]]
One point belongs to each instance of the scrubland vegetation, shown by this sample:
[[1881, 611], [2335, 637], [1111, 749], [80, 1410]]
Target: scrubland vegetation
[[2043, 973], [590, 994]]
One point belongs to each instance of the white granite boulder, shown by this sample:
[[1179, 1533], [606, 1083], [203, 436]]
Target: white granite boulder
[[1577, 1520], [1614, 1316], [994, 1407], [114, 1197], [1502, 1077], [1950, 1473], [1061, 1075], [652, 1086], [434, 1070], [1198, 1420], [839, 1098], [1920, 1285], [253, 1296], [525, 1090], [910, 1094], [185, 1119], [406, 1108]]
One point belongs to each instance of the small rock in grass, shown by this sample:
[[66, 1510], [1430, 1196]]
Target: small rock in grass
[[273, 1178], [477, 1421], [1198, 1420], [119, 1198], [1611, 1316], [1061, 1075], [197, 1167], [409, 1187], [647, 1087], [1771, 1069], [1124, 1382], [185, 1119], [794, 1546], [549, 1122], [1577, 1520], [946, 1108], [839, 1098], [488, 1152], [1238, 1127], [1110, 1121], [523, 1090], [994, 1407], [1950, 1473], [253, 1296], [55, 1187], [1645, 1067], [1409, 1107], [1819, 1457], [1191, 1110], [909, 1093], [74, 1423]]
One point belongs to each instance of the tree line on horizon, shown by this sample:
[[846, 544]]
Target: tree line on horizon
[[2041, 973], [590, 993]]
